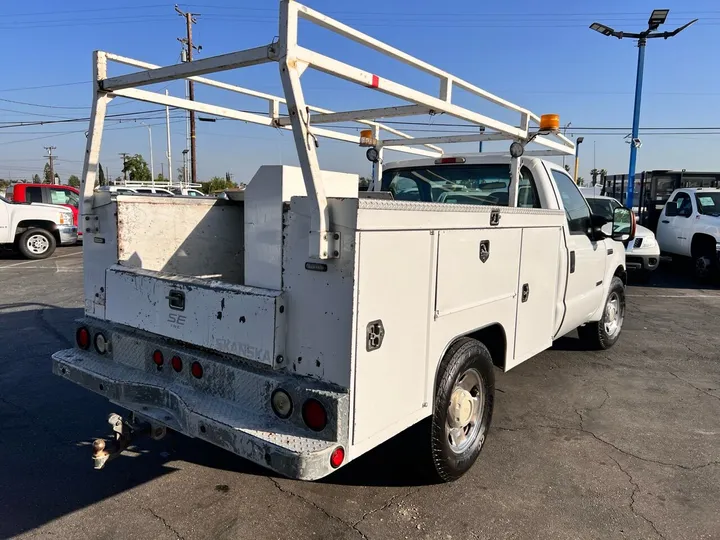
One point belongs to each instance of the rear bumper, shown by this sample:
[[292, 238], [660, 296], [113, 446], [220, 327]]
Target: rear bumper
[[228, 407], [68, 234]]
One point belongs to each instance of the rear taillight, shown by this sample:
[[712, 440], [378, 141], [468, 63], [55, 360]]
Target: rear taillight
[[158, 358], [337, 457], [314, 415], [176, 363], [82, 337], [196, 369]]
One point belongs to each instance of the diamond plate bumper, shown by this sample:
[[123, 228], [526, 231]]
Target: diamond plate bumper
[[273, 443]]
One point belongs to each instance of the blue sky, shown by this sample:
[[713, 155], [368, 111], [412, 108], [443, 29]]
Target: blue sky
[[540, 55]]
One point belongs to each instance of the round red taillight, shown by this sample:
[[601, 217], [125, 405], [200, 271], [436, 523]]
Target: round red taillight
[[158, 358], [314, 415], [176, 363], [196, 370], [337, 457], [82, 337]]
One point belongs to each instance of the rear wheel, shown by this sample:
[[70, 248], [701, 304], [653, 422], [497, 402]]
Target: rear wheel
[[705, 266], [464, 396], [36, 244], [604, 333]]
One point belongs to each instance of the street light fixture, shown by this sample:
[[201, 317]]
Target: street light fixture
[[657, 17]]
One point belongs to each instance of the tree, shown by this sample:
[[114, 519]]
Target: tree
[[74, 181], [181, 174], [363, 184], [137, 169], [217, 183], [36, 179], [580, 181], [101, 176], [594, 173], [567, 168], [161, 178], [47, 174]]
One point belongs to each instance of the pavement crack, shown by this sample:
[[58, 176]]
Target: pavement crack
[[636, 489], [165, 523], [400, 497], [693, 386], [54, 331], [318, 507], [611, 445]]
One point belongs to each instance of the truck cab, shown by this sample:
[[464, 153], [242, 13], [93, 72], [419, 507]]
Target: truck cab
[[35, 229], [66, 196], [689, 226]]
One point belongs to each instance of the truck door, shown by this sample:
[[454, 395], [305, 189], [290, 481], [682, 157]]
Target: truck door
[[677, 234], [4, 222], [586, 256]]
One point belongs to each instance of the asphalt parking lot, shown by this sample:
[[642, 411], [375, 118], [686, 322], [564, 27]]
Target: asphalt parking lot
[[616, 444]]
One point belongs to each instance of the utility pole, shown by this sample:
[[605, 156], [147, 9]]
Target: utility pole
[[124, 156], [189, 21], [169, 146], [50, 160]]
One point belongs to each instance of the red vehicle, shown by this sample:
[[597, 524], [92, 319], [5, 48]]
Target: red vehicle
[[46, 193]]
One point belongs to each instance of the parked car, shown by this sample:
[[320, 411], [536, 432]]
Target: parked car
[[154, 191], [35, 229], [121, 190], [188, 192], [67, 196], [689, 226], [643, 253]]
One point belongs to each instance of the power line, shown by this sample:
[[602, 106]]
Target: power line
[[43, 86]]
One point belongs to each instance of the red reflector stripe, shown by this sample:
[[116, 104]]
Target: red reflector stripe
[[375, 81]]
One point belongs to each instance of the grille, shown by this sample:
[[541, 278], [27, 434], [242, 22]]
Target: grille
[[638, 242]]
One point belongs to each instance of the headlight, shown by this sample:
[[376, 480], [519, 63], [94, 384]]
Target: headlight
[[649, 242], [65, 219]]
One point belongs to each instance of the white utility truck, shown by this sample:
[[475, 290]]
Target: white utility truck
[[309, 323], [689, 226], [35, 229]]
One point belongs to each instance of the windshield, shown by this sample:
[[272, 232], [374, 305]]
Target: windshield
[[603, 207], [708, 203], [458, 184]]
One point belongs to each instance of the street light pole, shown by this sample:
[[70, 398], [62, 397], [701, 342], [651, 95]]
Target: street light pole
[[657, 17], [578, 142], [152, 166]]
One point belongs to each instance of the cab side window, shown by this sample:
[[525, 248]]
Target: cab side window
[[576, 208], [33, 194], [527, 191], [684, 204]]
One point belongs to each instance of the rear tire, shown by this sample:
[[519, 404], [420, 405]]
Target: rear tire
[[36, 244], [603, 334], [705, 267], [464, 396]]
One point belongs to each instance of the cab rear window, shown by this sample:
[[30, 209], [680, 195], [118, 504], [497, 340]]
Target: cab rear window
[[479, 184]]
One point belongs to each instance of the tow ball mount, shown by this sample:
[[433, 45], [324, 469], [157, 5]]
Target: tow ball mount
[[123, 432]]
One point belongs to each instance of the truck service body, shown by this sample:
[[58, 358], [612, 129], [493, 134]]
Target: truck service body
[[308, 323]]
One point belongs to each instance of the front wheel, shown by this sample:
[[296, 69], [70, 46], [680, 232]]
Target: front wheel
[[464, 396], [604, 333], [705, 266], [36, 244]]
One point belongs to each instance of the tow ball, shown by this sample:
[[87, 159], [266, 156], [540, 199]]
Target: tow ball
[[123, 433]]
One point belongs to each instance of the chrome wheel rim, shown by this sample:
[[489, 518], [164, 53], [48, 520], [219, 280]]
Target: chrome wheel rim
[[37, 244], [702, 266], [614, 315], [465, 411]]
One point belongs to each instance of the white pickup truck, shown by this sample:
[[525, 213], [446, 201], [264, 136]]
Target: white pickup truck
[[308, 323], [35, 229], [689, 226]]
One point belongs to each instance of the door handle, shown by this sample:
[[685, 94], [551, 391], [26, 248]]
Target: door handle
[[525, 292], [572, 262], [666, 221]]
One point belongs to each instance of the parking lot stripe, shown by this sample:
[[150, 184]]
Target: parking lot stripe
[[30, 262]]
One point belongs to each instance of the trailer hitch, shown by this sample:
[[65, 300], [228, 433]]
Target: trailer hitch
[[123, 433]]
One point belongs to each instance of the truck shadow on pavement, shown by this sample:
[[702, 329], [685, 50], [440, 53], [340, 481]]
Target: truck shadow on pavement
[[48, 425]]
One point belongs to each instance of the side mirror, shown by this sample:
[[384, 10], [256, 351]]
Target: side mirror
[[671, 209], [623, 225]]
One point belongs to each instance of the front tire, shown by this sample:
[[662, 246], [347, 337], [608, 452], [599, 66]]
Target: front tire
[[464, 395], [603, 334], [36, 244], [705, 267]]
